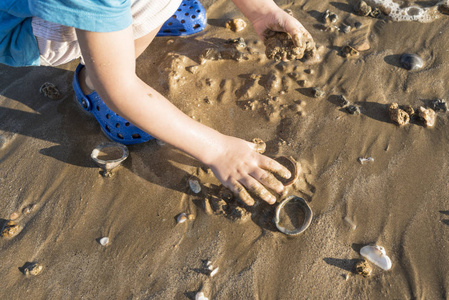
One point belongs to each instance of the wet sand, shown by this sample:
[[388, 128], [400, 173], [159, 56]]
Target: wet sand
[[398, 201]]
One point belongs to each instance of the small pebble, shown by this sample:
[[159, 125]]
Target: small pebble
[[353, 110], [13, 216], [398, 115], [28, 209], [104, 241], [317, 92], [427, 115], [362, 9], [411, 61], [345, 28], [32, 269], [194, 185], [357, 25], [363, 268], [364, 160], [10, 229], [213, 272], [348, 51], [236, 25]]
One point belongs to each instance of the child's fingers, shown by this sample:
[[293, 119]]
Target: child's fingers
[[273, 166], [239, 191], [256, 188], [268, 180]]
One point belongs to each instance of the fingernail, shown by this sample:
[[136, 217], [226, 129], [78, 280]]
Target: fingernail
[[272, 200], [287, 175]]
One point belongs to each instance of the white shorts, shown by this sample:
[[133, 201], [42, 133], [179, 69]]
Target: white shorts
[[58, 44]]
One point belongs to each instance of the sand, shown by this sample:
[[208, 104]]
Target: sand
[[398, 201]]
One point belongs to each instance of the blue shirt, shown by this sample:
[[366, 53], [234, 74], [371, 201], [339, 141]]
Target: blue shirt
[[18, 46]]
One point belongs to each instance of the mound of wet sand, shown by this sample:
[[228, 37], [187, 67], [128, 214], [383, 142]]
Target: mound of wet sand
[[399, 200]]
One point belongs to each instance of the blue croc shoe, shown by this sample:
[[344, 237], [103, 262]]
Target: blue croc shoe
[[190, 18], [114, 127]]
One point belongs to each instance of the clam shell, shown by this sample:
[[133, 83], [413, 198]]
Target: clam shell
[[109, 164], [200, 296], [293, 166], [376, 255], [181, 218], [104, 241]]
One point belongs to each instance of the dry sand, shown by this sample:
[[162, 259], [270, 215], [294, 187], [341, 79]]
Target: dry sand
[[399, 200]]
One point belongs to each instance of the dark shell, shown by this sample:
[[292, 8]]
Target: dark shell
[[411, 61]]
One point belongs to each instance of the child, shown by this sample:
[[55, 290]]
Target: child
[[109, 36]]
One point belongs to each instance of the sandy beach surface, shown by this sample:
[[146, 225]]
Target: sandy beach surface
[[399, 200]]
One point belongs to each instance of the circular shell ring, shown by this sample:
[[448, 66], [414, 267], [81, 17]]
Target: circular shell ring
[[307, 218]]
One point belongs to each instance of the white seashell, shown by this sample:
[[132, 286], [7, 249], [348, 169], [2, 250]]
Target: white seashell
[[200, 296], [194, 185], [376, 255], [104, 241], [350, 223], [181, 218], [364, 160], [213, 272]]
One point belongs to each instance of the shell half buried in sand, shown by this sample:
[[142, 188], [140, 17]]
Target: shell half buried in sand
[[376, 255], [293, 166], [305, 209], [109, 155]]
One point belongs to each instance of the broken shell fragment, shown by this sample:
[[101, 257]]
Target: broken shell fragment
[[363, 268], [10, 229], [259, 145], [363, 160], [376, 255], [32, 269], [398, 115], [182, 217], [427, 115], [194, 184], [213, 272], [200, 296], [104, 241], [411, 61], [236, 25], [317, 92], [109, 155]]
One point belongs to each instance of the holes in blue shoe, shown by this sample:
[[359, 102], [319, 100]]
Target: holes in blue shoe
[[198, 11], [120, 136], [166, 31], [179, 9], [136, 136], [117, 125], [186, 14], [182, 30], [98, 108], [184, 4], [170, 24], [193, 17], [108, 116], [191, 7], [127, 124], [196, 26], [107, 128], [182, 21]]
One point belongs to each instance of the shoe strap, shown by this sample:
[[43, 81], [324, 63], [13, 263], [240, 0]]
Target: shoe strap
[[82, 99]]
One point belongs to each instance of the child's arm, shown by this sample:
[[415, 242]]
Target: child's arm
[[265, 14], [110, 62]]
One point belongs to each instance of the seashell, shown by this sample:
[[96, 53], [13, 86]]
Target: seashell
[[376, 255], [32, 269], [363, 160], [293, 166], [104, 241], [200, 296], [362, 9], [109, 155], [428, 115], [28, 209], [213, 272], [363, 268], [347, 51], [307, 216], [182, 217], [317, 92], [411, 61], [194, 185]]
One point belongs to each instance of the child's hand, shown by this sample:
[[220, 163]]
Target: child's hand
[[241, 169], [278, 20]]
